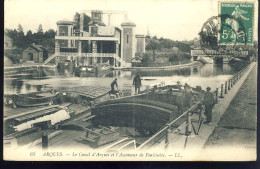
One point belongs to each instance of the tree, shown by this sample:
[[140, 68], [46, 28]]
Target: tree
[[153, 45], [76, 21], [29, 34], [50, 34], [40, 30], [20, 28], [39, 36], [146, 57]]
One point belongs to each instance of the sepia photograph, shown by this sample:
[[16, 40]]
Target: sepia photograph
[[130, 80]]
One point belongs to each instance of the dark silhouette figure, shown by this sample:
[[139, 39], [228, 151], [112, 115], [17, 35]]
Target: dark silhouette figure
[[137, 82], [113, 84]]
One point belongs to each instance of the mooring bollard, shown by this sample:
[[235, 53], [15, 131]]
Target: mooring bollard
[[44, 140], [221, 92], [188, 122], [216, 95], [225, 87], [228, 84]]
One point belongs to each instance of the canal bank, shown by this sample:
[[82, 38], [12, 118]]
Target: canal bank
[[193, 144], [172, 67], [238, 125]]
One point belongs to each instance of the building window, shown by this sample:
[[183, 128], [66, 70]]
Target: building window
[[127, 38]]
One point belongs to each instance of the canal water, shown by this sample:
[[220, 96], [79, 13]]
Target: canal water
[[203, 75]]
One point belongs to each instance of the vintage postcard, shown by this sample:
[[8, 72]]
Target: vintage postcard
[[99, 80]]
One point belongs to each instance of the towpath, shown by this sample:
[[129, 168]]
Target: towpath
[[239, 106], [238, 124]]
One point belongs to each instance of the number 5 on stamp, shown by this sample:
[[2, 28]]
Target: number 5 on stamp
[[236, 22]]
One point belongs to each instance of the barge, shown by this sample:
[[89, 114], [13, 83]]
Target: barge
[[106, 124]]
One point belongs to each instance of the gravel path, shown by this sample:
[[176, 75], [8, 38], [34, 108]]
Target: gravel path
[[237, 126]]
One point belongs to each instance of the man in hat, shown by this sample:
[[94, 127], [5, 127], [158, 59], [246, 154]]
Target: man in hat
[[137, 82], [209, 102]]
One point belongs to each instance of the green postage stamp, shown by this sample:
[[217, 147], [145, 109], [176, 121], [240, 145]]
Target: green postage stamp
[[236, 22]]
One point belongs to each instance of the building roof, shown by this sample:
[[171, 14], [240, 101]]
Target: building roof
[[128, 23], [38, 48], [64, 22], [6, 37], [137, 58]]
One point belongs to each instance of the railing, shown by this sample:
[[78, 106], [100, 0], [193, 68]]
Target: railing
[[99, 54], [154, 138], [69, 49], [147, 64], [88, 54], [49, 59], [164, 132], [113, 55]]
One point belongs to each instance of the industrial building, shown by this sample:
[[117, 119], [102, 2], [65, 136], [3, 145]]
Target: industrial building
[[98, 43], [36, 53]]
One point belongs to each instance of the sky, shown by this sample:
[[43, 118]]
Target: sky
[[173, 19]]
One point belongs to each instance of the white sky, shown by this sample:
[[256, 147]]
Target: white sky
[[174, 19]]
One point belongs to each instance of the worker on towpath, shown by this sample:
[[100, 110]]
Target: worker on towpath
[[209, 102], [113, 84], [137, 82]]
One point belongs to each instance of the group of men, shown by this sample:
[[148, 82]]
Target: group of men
[[136, 82], [208, 102], [208, 99]]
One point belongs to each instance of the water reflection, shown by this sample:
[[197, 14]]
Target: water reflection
[[44, 78]]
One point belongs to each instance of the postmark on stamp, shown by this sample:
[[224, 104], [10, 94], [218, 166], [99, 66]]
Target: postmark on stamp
[[237, 22]]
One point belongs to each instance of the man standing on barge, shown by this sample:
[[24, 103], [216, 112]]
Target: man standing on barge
[[137, 82], [113, 84]]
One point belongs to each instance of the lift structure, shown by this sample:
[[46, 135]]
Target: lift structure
[[108, 13]]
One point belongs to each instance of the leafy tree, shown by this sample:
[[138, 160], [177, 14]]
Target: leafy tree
[[146, 57], [39, 35], [50, 34], [20, 29], [153, 45], [76, 21], [40, 30]]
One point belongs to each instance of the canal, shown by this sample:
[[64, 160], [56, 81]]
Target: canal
[[203, 75]]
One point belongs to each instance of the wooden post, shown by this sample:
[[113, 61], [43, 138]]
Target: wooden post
[[225, 88], [44, 140], [188, 122], [221, 92], [229, 84], [201, 112], [216, 95]]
